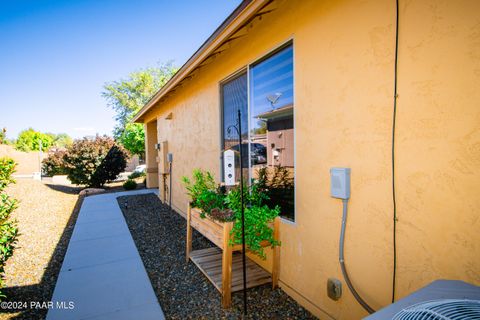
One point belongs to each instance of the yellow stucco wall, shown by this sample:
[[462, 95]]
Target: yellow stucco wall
[[344, 55]]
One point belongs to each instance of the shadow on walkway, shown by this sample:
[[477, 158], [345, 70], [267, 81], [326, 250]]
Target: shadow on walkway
[[43, 291]]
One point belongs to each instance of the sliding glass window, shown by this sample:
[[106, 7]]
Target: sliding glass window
[[234, 98], [267, 123], [272, 128]]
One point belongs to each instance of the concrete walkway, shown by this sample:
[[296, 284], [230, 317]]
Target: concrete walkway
[[102, 276]]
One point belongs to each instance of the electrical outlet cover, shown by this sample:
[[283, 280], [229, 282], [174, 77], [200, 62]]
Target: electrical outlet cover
[[334, 289]]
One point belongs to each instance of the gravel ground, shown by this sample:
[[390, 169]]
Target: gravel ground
[[182, 290], [46, 216]]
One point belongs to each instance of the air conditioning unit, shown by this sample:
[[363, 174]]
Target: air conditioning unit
[[440, 300]]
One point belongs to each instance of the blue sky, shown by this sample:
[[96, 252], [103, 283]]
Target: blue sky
[[55, 56]]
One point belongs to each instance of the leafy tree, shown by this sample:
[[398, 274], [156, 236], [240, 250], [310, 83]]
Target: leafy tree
[[8, 227], [94, 162], [29, 140], [133, 138], [127, 96], [61, 140], [261, 128]]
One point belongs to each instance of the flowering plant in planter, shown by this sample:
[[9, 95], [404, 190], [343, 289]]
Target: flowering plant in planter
[[216, 203]]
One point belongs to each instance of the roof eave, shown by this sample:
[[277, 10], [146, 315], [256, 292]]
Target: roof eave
[[235, 20]]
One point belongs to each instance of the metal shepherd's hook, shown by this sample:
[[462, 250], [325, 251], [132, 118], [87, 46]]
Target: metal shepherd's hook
[[244, 259]]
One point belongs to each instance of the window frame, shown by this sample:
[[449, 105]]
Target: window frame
[[237, 74], [246, 69]]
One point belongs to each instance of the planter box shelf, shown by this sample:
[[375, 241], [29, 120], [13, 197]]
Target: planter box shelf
[[222, 265]]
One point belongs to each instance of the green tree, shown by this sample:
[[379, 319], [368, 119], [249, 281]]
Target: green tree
[[29, 140], [127, 96], [133, 138], [62, 140], [8, 227]]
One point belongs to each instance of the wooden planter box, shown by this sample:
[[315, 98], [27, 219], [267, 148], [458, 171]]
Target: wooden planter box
[[222, 265]]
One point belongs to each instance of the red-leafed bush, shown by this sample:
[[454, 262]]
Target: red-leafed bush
[[94, 162], [54, 164]]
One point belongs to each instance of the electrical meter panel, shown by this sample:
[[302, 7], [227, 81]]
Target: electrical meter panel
[[340, 183]]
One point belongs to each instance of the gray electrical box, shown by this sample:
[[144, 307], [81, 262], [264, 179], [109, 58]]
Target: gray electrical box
[[340, 183], [170, 157]]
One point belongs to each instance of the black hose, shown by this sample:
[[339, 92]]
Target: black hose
[[342, 261]]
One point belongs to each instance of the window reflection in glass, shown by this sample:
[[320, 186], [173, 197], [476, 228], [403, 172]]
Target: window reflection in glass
[[235, 97], [272, 128]]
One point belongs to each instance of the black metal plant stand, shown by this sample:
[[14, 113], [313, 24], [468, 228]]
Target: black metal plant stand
[[244, 259]]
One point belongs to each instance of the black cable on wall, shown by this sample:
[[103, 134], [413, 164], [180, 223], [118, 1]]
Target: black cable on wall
[[395, 97]]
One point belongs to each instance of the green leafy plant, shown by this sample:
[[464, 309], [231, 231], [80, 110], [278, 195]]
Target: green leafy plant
[[130, 185], [203, 191], [8, 227], [258, 218], [257, 228], [94, 162], [218, 204]]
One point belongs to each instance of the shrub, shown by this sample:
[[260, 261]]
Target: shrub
[[136, 175], [214, 202], [54, 164], [8, 228], [94, 162], [130, 185]]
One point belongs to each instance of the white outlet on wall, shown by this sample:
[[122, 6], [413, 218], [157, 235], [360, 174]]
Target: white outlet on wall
[[229, 167]]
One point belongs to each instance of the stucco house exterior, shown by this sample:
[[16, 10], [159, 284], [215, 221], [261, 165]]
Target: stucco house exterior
[[320, 84]]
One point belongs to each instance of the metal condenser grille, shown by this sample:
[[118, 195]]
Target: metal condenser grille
[[446, 309]]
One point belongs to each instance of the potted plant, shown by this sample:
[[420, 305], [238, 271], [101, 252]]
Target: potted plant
[[215, 212], [214, 203]]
